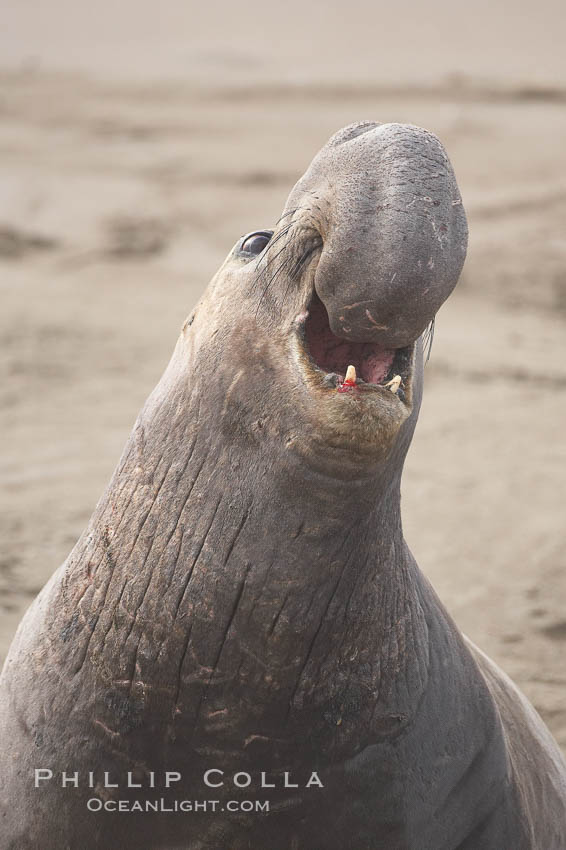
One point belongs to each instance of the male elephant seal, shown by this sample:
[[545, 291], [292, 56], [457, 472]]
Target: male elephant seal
[[242, 620]]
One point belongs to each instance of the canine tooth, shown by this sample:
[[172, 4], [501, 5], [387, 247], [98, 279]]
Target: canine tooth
[[394, 384], [351, 375]]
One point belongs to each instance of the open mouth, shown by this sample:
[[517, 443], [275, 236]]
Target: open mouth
[[374, 367]]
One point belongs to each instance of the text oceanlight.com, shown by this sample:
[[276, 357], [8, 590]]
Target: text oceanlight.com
[[94, 804]]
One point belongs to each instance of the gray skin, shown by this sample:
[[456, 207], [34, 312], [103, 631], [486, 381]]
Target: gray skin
[[243, 597]]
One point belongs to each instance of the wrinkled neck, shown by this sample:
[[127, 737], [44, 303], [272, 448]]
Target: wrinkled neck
[[219, 570]]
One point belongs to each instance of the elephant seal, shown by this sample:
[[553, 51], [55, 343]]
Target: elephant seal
[[242, 620]]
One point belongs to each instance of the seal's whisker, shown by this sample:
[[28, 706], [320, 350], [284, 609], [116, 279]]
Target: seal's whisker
[[281, 266], [287, 227], [284, 215], [428, 337], [297, 268], [304, 258], [270, 281], [272, 259], [273, 242], [294, 266], [292, 212], [280, 235]]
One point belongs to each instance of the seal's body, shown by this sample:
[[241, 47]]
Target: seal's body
[[242, 609]]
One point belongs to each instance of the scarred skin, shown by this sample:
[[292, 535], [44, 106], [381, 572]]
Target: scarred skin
[[243, 597]]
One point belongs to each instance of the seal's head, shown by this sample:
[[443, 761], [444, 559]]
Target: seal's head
[[322, 317]]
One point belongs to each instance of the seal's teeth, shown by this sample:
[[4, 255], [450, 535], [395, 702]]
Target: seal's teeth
[[350, 375], [394, 384]]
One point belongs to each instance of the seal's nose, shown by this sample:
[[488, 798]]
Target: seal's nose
[[394, 231]]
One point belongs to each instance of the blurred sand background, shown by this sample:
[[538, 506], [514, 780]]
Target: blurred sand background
[[139, 140]]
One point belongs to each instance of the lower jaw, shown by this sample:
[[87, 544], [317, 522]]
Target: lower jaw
[[395, 383], [352, 428]]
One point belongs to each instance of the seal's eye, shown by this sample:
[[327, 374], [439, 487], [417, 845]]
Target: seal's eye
[[254, 243]]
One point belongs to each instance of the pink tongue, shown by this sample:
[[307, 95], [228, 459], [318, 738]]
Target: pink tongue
[[376, 364]]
